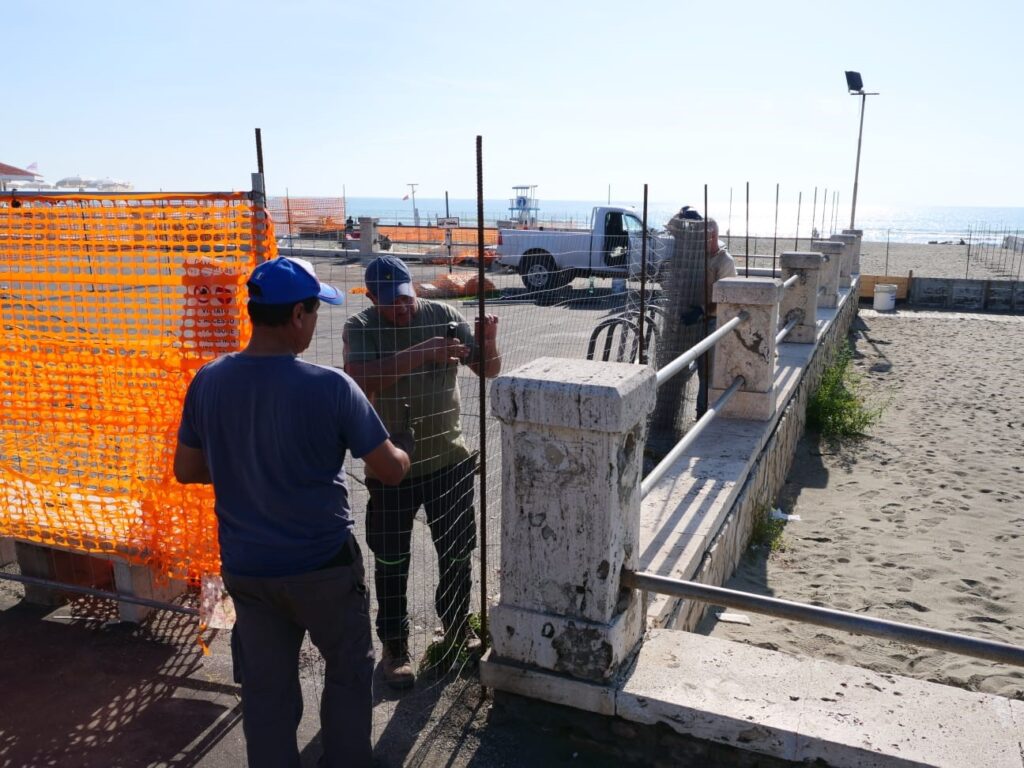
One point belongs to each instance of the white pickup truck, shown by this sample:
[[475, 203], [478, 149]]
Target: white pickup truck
[[551, 258]]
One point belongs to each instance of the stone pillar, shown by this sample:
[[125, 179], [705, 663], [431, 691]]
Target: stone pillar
[[859, 234], [828, 281], [367, 236], [846, 265], [572, 437], [749, 351], [800, 300]]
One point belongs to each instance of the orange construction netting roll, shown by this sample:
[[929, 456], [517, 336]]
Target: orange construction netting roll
[[108, 306]]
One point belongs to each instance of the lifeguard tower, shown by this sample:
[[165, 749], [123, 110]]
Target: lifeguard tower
[[522, 207]]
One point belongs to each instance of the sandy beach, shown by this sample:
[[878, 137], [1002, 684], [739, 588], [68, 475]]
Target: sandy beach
[[987, 261], [922, 521]]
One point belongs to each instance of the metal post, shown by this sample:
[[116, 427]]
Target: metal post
[[481, 314], [746, 247], [775, 236], [704, 382], [796, 239], [643, 282], [814, 212], [259, 152]]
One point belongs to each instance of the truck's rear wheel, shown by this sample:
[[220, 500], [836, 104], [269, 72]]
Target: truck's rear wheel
[[538, 273]]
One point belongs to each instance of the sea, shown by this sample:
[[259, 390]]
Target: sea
[[906, 224]]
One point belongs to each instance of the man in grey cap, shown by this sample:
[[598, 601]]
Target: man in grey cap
[[270, 432], [405, 352]]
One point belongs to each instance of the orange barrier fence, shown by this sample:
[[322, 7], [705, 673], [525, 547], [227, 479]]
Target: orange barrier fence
[[460, 235], [108, 306], [308, 216]]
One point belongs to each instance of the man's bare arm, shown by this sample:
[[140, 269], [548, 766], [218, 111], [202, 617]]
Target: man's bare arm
[[388, 463], [190, 466]]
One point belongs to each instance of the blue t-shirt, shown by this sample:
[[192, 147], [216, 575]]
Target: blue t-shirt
[[274, 432]]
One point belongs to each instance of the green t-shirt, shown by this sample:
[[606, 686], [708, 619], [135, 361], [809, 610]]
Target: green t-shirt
[[431, 391]]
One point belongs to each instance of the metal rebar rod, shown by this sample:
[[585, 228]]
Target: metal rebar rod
[[828, 617], [785, 331], [684, 360], [642, 355], [481, 320], [91, 591], [791, 280], [680, 447], [775, 235]]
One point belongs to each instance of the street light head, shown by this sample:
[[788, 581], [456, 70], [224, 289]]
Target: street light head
[[853, 82]]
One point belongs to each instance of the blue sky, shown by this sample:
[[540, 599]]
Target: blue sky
[[571, 96]]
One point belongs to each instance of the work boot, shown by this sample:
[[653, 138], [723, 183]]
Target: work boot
[[397, 665]]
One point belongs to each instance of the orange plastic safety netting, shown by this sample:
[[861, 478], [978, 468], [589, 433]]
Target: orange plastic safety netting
[[108, 306]]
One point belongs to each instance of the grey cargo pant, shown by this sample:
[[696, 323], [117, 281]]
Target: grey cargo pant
[[272, 618]]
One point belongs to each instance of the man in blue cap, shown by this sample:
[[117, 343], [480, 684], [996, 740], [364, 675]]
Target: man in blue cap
[[270, 432], [405, 352]]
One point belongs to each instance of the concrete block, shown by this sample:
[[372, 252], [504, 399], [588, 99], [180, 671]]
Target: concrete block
[[567, 522], [931, 292], [572, 442], [63, 567], [800, 301], [504, 675], [846, 262], [967, 294], [859, 234], [999, 295], [579, 394], [139, 581], [812, 711], [749, 351], [828, 281], [587, 650]]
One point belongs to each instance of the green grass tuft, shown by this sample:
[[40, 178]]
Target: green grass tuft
[[837, 409], [767, 530]]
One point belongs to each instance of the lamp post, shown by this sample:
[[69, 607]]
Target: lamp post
[[855, 86]]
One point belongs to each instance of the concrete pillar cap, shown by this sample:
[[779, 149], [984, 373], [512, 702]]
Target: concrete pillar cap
[[828, 246], [579, 394], [802, 259], [747, 290]]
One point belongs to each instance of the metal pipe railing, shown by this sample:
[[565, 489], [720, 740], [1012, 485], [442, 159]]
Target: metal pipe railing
[[698, 349], [785, 331], [92, 592], [828, 617], [791, 280], [656, 474]]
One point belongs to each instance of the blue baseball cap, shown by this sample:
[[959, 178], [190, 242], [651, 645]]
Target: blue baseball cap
[[388, 278], [286, 280]]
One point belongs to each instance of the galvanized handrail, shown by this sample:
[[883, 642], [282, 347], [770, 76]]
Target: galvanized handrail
[[785, 330], [791, 280], [698, 349], [93, 592], [670, 458], [828, 617]]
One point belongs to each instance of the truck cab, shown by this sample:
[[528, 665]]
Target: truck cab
[[551, 258]]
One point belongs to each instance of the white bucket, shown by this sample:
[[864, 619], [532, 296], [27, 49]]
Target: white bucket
[[885, 297], [618, 285]]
